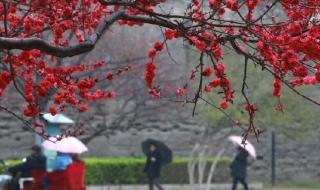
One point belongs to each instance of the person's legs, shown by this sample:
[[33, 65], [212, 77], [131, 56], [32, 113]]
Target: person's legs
[[235, 182], [14, 185], [244, 183], [157, 184], [150, 184]]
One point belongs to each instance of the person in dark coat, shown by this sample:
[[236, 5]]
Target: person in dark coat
[[153, 167], [36, 161], [239, 169]]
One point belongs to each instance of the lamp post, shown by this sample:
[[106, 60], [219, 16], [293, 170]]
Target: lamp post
[[273, 158], [52, 128]]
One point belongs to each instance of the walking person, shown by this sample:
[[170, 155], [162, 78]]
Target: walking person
[[153, 167], [158, 154], [239, 169]]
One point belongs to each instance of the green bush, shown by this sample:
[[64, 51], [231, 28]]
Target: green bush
[[9, 162], [129, 171]]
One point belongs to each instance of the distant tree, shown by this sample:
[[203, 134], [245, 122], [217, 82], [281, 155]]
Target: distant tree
[[280, 37]]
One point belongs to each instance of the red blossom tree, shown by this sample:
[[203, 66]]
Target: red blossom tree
[[34, 35]]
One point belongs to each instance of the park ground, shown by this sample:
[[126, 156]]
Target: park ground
[[290, 188]]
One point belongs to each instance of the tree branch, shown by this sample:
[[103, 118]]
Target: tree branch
[[60, 51]]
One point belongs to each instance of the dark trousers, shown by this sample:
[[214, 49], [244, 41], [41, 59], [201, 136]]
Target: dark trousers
[[241, 180], [154, 182], [14, 185]]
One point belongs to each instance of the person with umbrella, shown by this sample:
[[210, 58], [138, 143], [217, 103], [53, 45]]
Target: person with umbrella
[[240, 162], [62, 161], [65, 148], [158, 154]]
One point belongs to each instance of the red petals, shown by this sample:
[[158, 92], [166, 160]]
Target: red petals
[[317, 76], [158, 46], [215, 82], [250, 108], [150, 74], [219, 68], [31, 110], [53, 111], [215, 3], [171, 34], [277, 88], [280, 107], [152, 53], [80, 37], [233, 5], [109, 76], [207, 72], [5, 80], [200, 45], [83, 107], [224, 105], [181, 91]]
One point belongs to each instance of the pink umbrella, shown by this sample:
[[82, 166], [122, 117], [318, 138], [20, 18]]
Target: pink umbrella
[[238, 141], [65, 145]]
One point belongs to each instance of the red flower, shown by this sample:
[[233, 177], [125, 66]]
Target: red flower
[[214, 3], [233, 5], [150, 74], [158, 46], [220, 68], [169, 34], [200, 45], [251, 108], [207, 88], [152, 53], [277, 88], [38, 124], [83, 107], [221, 11], [224, 104], [109, 76], [215, 82], [207, 72], [53, 111], [280, 107], [181, 91], [318, 76], [112, 94], [31, 111], [80, 37], [154, 93]]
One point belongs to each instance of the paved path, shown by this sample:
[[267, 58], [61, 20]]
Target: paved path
[[253, 186]]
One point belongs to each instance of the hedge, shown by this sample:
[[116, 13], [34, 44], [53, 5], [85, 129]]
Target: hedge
[[129, 171]]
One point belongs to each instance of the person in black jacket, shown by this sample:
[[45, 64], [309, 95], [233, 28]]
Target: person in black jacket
[[36, 161], [153, 167], [239, 169]]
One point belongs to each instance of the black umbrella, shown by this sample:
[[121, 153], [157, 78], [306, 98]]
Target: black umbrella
[[165, 151]]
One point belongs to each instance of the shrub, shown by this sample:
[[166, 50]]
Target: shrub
[[129, 171]]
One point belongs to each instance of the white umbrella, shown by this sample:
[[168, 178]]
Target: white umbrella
[[65, 145], [237, 140]]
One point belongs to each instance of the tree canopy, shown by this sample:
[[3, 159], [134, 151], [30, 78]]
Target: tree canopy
[[280, 37]]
